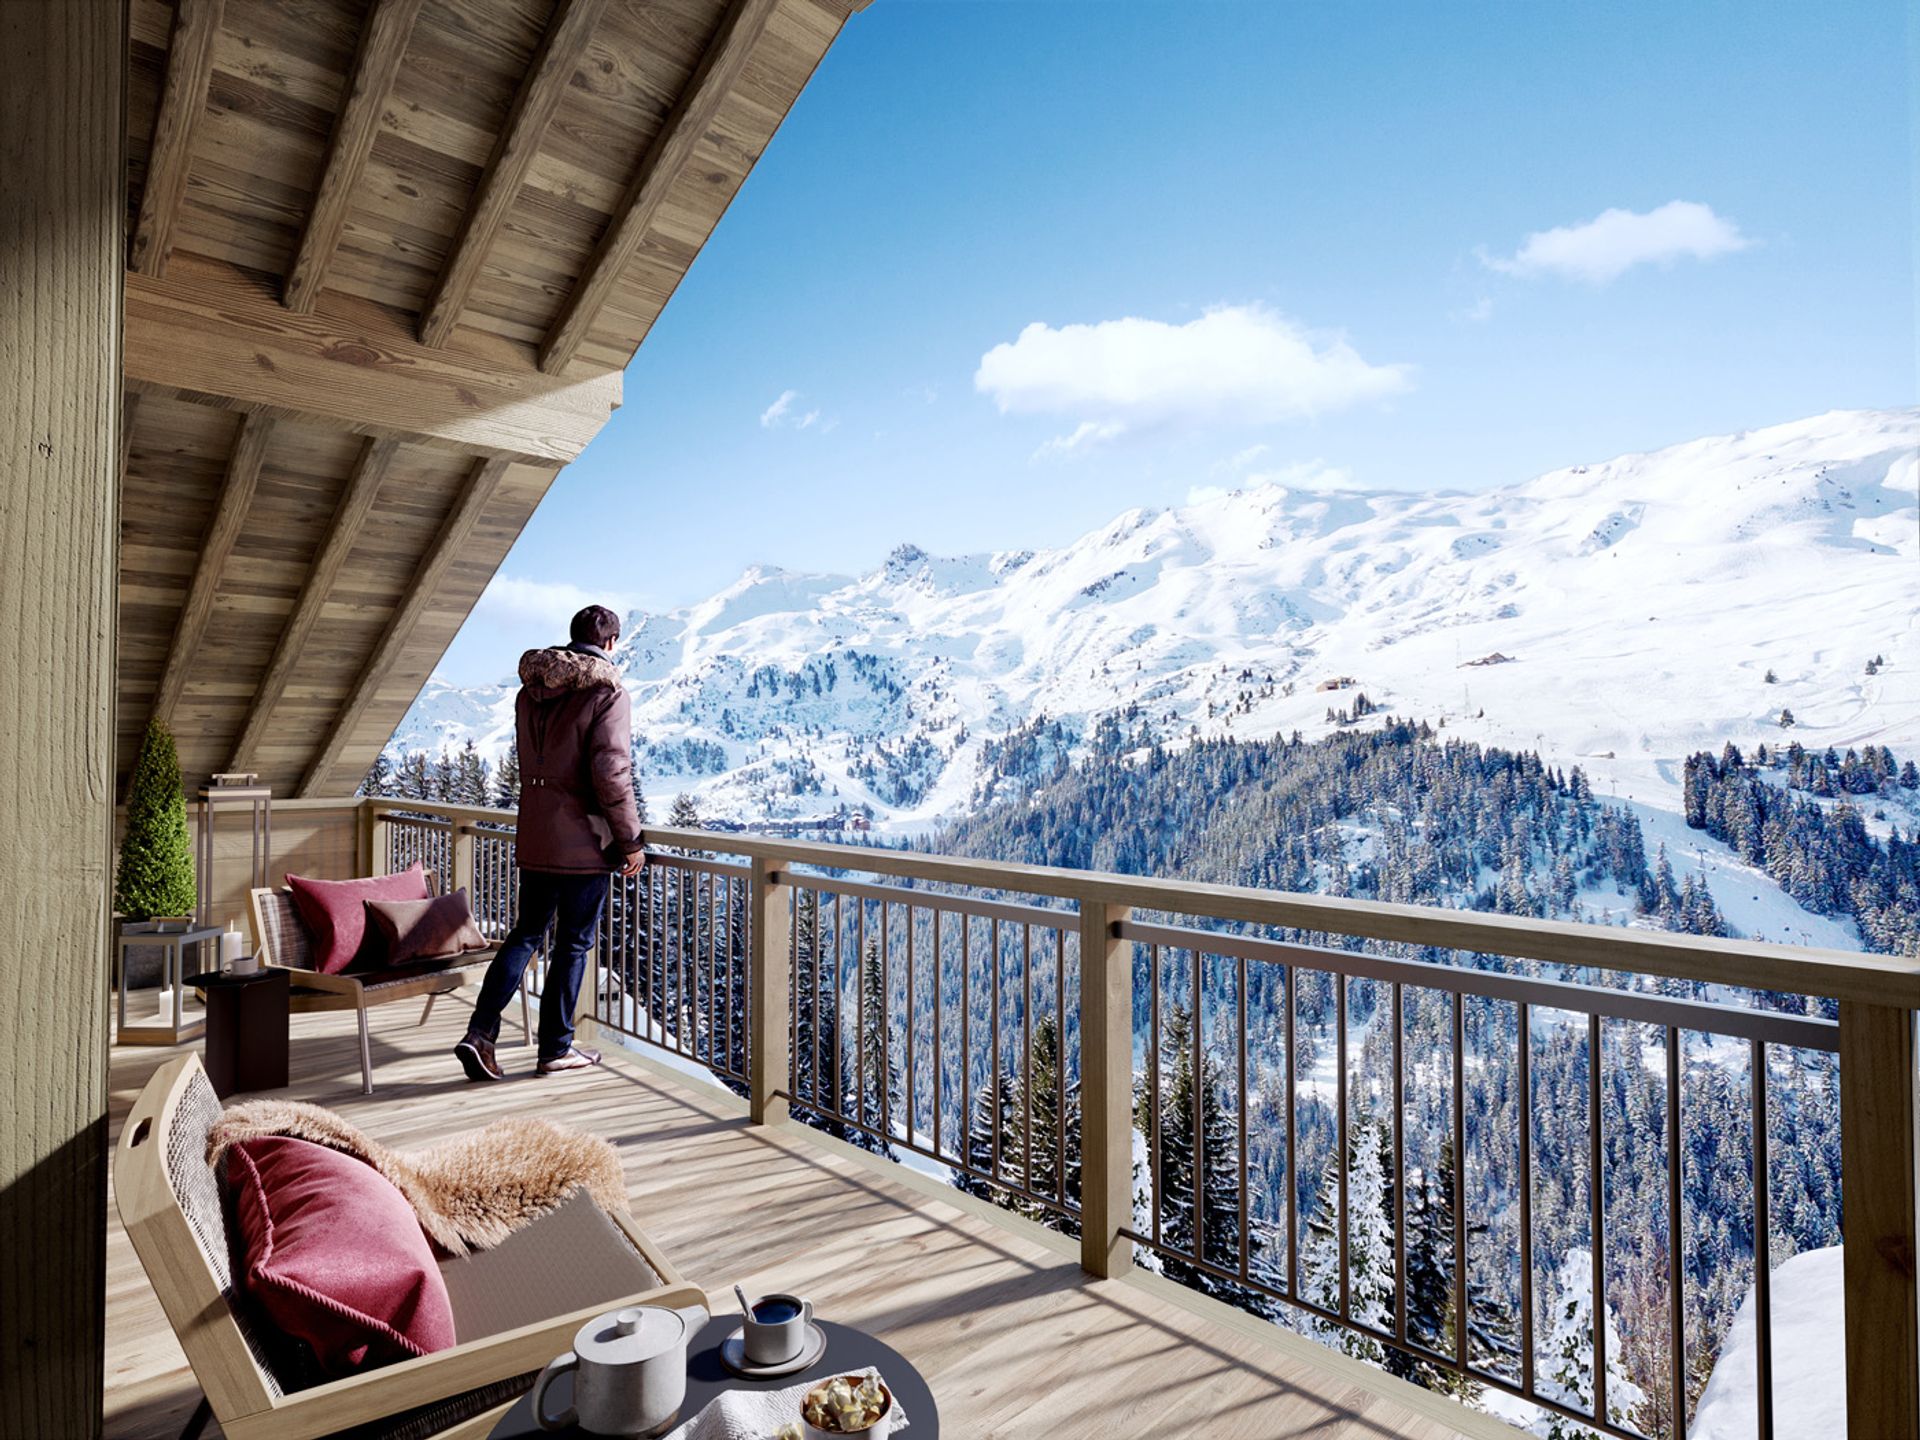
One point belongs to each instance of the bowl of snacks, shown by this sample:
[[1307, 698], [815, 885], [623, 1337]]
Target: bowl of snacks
[[848, 1405]]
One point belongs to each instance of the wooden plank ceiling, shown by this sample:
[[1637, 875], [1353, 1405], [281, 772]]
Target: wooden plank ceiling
[[388, 261]]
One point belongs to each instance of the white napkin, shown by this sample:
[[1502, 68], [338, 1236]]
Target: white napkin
[[759, 1414]]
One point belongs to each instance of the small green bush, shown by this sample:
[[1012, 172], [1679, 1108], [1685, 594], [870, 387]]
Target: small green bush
[[156, 857]]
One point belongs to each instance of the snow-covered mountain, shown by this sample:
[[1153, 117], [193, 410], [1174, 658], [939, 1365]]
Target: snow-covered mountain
[[1615, 615]]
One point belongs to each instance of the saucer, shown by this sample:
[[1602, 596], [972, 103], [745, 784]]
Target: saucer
[[733, 1355]]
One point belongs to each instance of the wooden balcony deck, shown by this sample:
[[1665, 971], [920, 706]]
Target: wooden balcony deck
[[1014, 1338]]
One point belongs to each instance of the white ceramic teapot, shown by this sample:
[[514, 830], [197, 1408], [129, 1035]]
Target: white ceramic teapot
[[629, 1373]]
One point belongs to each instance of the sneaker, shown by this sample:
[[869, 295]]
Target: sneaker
[[476, 1058], [574, 1057]]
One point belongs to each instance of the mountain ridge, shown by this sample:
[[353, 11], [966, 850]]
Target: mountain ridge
[[1618, 615]]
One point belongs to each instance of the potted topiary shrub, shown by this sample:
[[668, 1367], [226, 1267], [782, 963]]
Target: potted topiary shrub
[[155, 882]]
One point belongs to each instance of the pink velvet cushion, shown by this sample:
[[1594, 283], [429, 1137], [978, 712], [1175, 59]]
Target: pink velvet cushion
[[335, 1255], [410, 930], [335, 911]]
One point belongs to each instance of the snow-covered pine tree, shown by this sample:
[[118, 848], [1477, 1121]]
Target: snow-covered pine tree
[[1218, 1230], [1370, 1204], [379, 776], [880, 1095], [816, 1013], [1565, 1372], [995, 1118], [506, 778], [1056, 1125]]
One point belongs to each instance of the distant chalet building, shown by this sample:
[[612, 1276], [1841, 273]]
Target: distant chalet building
[[1338, 682], [1496, 658], [799, 826]]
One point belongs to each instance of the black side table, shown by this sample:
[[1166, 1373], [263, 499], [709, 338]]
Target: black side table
[[848, 1350], [246, 1029]]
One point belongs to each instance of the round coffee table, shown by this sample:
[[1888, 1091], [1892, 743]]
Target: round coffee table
[[847, 1350]]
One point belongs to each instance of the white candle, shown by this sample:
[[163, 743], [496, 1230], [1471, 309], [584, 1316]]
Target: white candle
[[166, 1005], [229, 947]]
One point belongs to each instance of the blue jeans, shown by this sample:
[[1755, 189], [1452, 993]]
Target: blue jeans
[[575, 901]]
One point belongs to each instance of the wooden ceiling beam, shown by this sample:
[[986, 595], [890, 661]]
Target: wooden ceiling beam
[[356, 503], [217, 331], [183, 99], [666, 157], [539, 95], [383, 44], [453, 538], [216, 547]]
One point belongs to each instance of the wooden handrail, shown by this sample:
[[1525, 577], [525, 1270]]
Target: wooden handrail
[[1804, 970]]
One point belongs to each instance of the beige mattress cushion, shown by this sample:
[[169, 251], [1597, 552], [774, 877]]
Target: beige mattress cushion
[[571, 1258]]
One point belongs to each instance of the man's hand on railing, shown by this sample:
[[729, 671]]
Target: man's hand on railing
[[636, 862]]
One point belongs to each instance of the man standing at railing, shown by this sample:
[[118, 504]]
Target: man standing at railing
[[578, 824]]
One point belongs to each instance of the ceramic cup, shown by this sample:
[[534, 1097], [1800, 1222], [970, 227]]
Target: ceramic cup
[[776, 1330]]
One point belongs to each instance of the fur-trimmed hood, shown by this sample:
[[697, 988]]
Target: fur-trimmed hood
[[558, 669]]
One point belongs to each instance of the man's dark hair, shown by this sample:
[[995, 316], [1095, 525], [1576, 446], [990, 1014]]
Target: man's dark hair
[[595, 625]]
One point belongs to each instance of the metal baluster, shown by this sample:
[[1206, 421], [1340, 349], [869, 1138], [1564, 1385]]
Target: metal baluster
[[913, 1044], [886, 1020], [1026, 1049], [1246, 1216], [1524, 1084], [1399, 1173], [860, 1014], [1293, 1182], [1596, 1198], [1462, 1316], [1199, 1147], [938, 1034], [1060, 1065], [1762, 1244], [1153, 1072], [995, 1095], [1340, 1138], [1676, 1274]]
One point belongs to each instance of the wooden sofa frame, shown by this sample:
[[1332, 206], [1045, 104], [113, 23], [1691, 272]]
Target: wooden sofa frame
[[314, 991], [239, 1391]]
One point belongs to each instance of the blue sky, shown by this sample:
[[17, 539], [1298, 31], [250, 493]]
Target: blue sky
[[1018, 265]]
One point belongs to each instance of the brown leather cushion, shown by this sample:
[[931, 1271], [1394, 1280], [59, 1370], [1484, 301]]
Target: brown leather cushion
[[413, 930]]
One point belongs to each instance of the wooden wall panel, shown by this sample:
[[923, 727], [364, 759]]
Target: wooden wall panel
[[62, 255]]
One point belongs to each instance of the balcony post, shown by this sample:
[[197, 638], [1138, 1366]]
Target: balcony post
[[378, 841], [463, 845], [1106, 1091], [1878, 1112], [769, 979]]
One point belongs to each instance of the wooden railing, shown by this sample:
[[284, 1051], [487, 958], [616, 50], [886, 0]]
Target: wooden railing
[[893, 1008]]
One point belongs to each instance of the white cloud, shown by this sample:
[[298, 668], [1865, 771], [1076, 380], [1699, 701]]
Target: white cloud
[[1084, 437], [1614, 241], [1238, 364], [1206, 494], [781, 414], [515, 600], [1477, 313], [777, 411], [1241, 459]]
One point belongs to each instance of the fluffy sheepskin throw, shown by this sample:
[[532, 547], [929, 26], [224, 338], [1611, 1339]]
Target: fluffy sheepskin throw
[[470, 1191]]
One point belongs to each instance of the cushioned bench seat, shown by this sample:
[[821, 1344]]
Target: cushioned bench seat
[[284, 944]]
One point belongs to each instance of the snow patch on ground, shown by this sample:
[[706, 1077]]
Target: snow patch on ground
[[1809, 1358]]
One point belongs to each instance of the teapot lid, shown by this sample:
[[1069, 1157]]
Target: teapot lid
[[627, 1337]]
